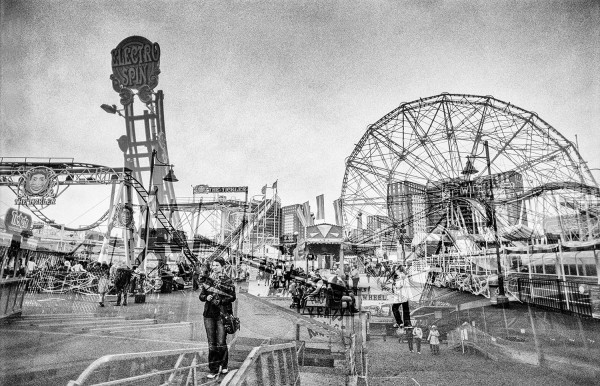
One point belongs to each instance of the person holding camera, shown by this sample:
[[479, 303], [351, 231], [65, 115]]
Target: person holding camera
[[218, 293]]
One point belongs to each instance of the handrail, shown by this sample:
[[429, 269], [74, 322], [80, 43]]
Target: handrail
[[139, 361], [281, 361]]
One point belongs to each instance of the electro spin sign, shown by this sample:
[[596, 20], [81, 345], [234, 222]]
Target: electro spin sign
[[135, 63]]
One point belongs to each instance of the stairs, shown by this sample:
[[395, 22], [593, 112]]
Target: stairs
[[53, 349], [177, 237]]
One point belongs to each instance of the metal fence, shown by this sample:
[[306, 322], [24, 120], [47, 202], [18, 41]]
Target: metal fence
[[149, 368], [555, 294], [268, 365]]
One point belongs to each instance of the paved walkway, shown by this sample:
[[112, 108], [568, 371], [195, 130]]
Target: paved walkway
[[43, 347]]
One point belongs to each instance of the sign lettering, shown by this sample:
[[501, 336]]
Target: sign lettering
[[135, 63], [200, 189], [37, 186], [16, 221]]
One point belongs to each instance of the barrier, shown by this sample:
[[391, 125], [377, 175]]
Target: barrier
[[146, 368], [268, 365], [12, 292]]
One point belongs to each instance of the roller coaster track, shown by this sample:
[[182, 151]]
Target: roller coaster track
[[242, 230], [71, 173]]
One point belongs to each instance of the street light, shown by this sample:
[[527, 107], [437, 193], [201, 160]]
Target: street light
[[111, 109], [170, 177], [502, 299]]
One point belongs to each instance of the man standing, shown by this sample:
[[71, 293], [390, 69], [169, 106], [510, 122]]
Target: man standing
[[409, 337], [355, 276], [418, 336]]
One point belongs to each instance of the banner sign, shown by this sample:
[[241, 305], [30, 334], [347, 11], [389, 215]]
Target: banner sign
[[200, 189], [16, 221], [135, 63], [289, 238], [37, 186]]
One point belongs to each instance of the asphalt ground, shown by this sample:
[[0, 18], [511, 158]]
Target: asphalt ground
[[389, 362]]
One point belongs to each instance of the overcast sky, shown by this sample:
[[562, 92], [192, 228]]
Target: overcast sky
[[259, 91]]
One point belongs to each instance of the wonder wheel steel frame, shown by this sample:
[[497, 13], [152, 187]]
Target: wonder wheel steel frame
[[412, 170]]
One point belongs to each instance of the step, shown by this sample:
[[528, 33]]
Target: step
[[321, 376], [52, 375], [94, 323]]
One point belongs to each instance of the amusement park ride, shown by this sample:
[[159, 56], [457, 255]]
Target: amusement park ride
[[523, 210], [143, 186], [416, 186]]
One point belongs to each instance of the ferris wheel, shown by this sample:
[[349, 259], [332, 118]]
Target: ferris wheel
[[442, 162]]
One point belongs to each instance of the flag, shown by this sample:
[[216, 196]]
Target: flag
[[321, 207], [337, 207], [300, 214], [264, 189], [274, 185], [307, 216]]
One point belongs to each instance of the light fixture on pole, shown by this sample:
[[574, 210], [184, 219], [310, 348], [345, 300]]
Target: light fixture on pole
[[111, 109], [502, 299], [170, 177]]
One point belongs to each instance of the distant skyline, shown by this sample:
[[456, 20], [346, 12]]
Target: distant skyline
[[265, 91]]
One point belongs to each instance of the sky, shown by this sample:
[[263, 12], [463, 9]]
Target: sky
[[265, 91]]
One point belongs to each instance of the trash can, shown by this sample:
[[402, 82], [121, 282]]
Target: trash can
[[493, 285], [167, 283], [140, 295]]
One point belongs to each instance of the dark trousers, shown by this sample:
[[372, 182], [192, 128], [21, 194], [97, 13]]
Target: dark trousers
[[418, 342], [355, 285], [218, 355], [409, 339], [405, 317], [124, 292]]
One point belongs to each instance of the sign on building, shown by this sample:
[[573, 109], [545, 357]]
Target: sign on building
[[37, 186], [200, 189], [16, 221], [136, 63]]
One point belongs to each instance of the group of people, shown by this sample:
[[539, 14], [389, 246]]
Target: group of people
[[118, 274], [302, 290], [414, 337]]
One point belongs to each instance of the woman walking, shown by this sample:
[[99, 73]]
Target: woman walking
[[399, 297], [218, 293], [434, 340], [103, 273]]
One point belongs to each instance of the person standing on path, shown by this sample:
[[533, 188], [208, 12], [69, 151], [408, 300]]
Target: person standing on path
[[418, 336], [103, 273], [434, 340], [409, 337], [355, 276], [218, 293]]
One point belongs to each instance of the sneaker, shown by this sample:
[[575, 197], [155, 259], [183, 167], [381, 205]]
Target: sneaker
[[224, 371], [419, 353], [101, 304], [395, 325], [211, 375]]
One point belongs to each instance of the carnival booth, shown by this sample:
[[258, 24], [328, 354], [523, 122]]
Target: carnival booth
[[324, 242]]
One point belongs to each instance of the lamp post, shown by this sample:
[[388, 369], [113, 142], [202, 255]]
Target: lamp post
[[502, 299], [111, 109], [170, 177]]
